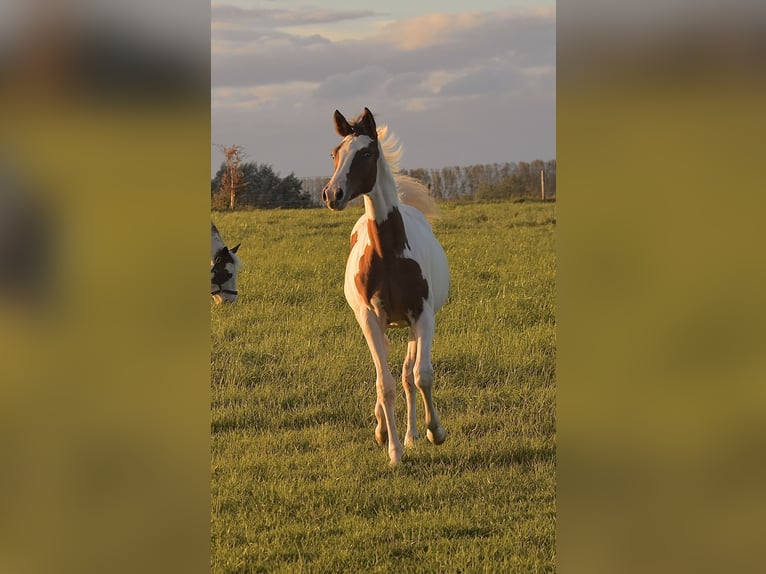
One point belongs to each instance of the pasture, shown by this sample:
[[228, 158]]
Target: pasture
[[297, 481]]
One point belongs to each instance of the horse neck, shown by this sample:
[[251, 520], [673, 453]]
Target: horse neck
[[383, 198]]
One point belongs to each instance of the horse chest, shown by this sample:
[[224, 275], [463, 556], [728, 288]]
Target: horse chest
[[386, 278]]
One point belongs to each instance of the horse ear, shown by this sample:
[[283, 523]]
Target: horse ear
[[234, 249], [369, 124], [341, 125]]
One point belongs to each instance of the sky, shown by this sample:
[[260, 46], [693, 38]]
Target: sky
[[458, 82]]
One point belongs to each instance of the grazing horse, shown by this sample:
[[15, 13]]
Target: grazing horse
[[396, 274], [224, 265]]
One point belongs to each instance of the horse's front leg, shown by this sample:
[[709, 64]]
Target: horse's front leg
[[374, 334]]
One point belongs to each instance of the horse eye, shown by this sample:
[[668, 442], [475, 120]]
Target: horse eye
[[367, 154]]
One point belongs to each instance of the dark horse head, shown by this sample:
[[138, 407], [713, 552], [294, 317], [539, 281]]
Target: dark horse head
[[224, 265]]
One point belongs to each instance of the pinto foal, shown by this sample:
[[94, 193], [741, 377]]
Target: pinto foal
[[396, 274]]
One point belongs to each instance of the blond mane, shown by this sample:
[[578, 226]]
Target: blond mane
[[410, 190]]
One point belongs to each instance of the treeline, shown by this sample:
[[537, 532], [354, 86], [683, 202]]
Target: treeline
[[260, 187], [508, 180]]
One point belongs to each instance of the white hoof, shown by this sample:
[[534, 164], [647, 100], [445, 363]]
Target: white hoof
[[396, 458]]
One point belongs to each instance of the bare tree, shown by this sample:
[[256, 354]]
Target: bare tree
[[231, 182]]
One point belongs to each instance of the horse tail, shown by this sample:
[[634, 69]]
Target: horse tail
[[412, 192]]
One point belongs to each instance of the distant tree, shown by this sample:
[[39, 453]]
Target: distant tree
[[522, 179], [460, 187], [231, 182], [550, 178], [437, 188], [502, 189], [474, 178], [313, 186], [265, 189], [449, 183], [486, 190], [289, 193]]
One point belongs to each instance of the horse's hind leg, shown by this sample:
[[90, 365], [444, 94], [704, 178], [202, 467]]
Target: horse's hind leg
[[424, 373], [408, 382], [381, 429]]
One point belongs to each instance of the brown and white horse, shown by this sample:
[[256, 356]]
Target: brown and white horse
[[224, 265], [396, 274]]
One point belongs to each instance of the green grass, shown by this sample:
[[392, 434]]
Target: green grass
[[298, 484]]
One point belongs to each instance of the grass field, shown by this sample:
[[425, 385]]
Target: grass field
[[298, 484]]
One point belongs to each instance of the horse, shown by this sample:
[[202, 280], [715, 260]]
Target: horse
[[396, 273], [224, 266]]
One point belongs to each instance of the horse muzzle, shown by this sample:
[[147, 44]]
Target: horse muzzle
[[335, 198], [223, 295]]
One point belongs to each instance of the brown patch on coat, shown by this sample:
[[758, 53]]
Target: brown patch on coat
[[396, 281], [354, 238], [334, 155]]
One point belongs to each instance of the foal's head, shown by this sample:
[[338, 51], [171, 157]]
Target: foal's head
[[223, 275], [355, 159]]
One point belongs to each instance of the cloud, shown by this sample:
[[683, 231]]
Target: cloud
[[450, 42], [253, 97], [227, 38], [457, 88], [364, 81], [411, 84], [498, 75], [430, 29], [283, 17]]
